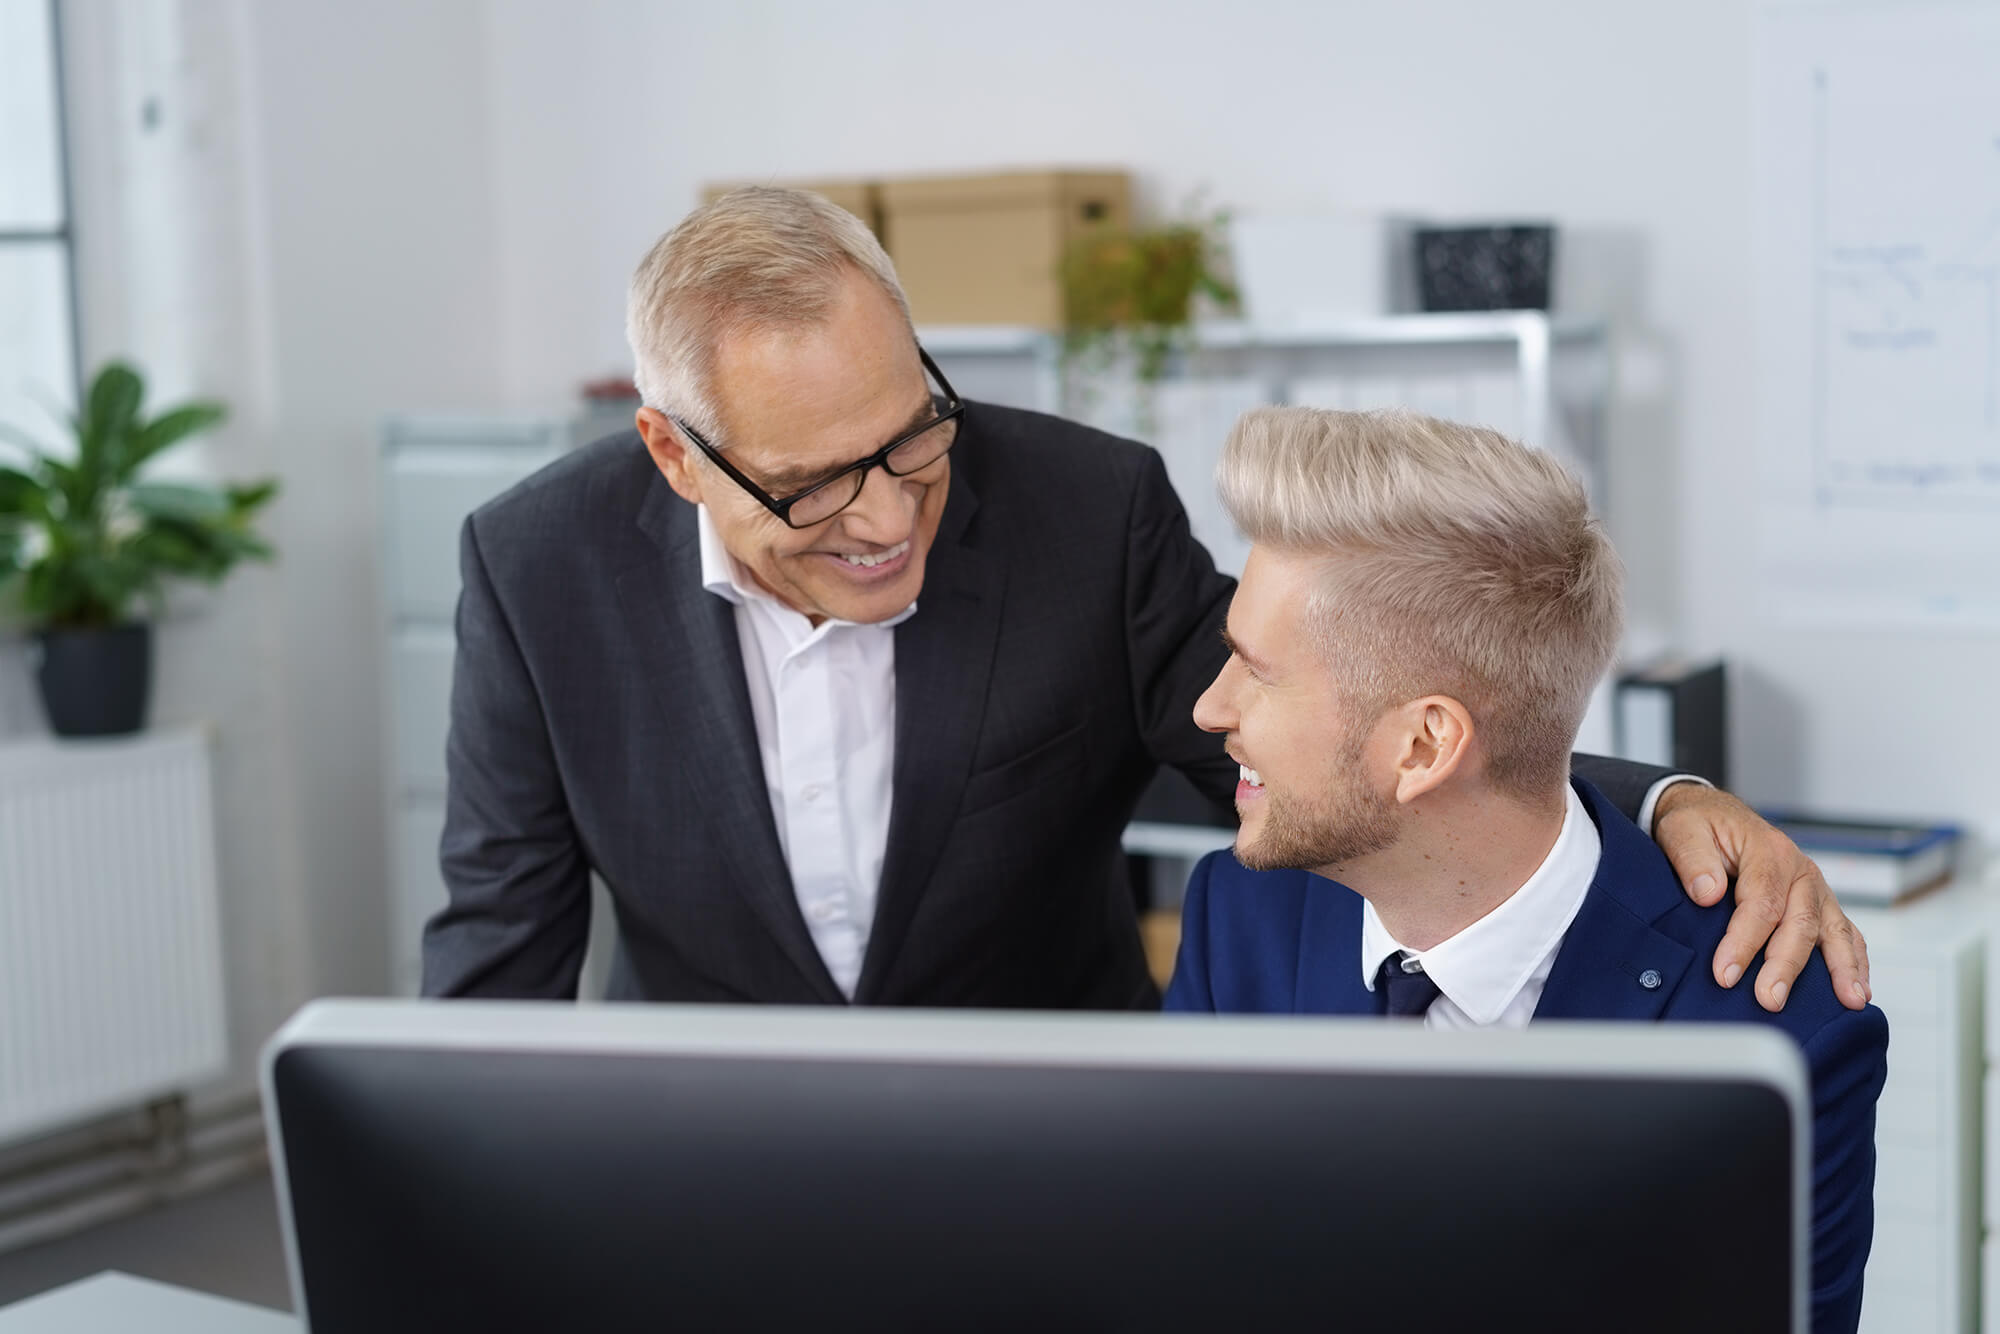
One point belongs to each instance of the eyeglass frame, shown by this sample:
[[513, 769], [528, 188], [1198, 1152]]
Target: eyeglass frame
[[782, 508]]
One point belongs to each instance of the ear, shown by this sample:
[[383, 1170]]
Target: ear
[[671, 453], [1436, 744]]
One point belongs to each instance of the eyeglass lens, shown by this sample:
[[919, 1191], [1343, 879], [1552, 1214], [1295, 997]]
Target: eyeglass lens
[[913, 455]]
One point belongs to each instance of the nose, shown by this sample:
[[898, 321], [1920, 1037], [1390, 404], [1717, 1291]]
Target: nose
[[1214, 711], [883, 512]]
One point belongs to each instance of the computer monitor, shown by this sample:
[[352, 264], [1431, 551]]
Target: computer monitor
[[496, 1167]]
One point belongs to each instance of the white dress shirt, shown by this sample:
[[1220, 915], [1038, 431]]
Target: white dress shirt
[[1491, 974], [1650, 807], [824, 701]]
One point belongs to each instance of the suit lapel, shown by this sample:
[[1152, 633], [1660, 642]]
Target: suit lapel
[[1603, 968], [1612, 963], [944, 662], [689, 633], [1329, 966]]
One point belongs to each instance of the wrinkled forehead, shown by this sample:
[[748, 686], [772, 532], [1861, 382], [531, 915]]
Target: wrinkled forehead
[[809, 400]]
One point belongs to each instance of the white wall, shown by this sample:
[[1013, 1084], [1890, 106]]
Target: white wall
[[1628, 122], [373, 185]]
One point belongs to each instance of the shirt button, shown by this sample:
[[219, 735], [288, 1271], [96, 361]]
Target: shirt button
[[811, 792], [824, 911]]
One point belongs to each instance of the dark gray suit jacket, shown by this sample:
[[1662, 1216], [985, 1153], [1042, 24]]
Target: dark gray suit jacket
[[600, 720]]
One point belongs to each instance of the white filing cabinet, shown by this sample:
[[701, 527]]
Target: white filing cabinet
[[1927, 963], [434, 472], [1990, 1268]]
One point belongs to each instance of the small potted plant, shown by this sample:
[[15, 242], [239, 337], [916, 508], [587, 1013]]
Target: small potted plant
[[88, 541], [1135, 291]]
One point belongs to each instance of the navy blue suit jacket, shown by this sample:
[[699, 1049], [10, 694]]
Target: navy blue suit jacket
[[1289, 942]]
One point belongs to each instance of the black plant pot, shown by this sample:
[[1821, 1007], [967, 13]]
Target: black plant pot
[[96, 682]]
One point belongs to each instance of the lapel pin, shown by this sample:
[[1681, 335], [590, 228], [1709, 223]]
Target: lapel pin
[[1650, 979]]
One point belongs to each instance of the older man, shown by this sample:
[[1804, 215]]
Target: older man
[[1424, 612], [846, 688]]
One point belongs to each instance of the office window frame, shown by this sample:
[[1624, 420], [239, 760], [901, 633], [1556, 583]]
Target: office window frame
[[62, 235]]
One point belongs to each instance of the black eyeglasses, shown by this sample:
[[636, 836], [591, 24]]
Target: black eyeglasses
[[913, 451]]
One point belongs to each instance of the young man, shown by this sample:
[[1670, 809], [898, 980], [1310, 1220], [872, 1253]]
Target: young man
[[1411, 649]]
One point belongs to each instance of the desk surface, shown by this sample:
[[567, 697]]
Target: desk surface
[[112, 1303]]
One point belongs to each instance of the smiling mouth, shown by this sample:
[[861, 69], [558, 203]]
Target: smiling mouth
[[868, 562], [1250, 776]]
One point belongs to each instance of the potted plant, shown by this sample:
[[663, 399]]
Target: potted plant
[[88, 541], [1134, 291]]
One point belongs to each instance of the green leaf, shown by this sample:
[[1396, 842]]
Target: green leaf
[[123, 575], [90, 588], [253, 548], [174, 549], [110, 410], [115, 395], [19, 493], [164, 500], [251, 496], [169, 429], [11, 529], [78, 494]]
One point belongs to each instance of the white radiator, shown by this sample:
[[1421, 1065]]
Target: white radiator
[[110, 949]]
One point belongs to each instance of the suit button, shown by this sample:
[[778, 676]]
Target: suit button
[[1650, 979]]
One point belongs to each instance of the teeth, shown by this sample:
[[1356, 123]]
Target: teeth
[[868, 561], [1250, 776]]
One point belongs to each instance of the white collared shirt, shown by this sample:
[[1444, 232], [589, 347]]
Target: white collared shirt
[[824, 702], [1491, 974]]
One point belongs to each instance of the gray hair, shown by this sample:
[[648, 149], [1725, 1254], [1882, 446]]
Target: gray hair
[[1460, 563], [755, 258]]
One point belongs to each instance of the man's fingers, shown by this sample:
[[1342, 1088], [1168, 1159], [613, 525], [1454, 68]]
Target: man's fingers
[[1783, 906], [1690, 845], [1761, 899], [1846, 954], [1793, 944]]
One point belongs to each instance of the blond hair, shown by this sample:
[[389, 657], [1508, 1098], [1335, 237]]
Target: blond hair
[[1463, 564], [753, 259]]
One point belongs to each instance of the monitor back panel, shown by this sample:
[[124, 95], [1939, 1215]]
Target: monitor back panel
[[535, 1191]]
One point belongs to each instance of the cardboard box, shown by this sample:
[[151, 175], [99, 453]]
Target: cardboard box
[[861, 198], [987, 249]]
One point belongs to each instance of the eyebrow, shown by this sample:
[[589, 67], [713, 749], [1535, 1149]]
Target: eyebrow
[[788, 481], [1255, 664]]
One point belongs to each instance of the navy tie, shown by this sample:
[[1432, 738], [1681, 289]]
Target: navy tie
[[1405, 993]]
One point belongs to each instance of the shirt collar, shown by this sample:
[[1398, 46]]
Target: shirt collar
[[723, 576], [1484, 967]]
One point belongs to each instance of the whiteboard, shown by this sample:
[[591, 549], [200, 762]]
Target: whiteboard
[[1877, 170]]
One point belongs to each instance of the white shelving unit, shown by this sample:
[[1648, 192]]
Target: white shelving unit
[[1928, 965], [1543, 379]]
